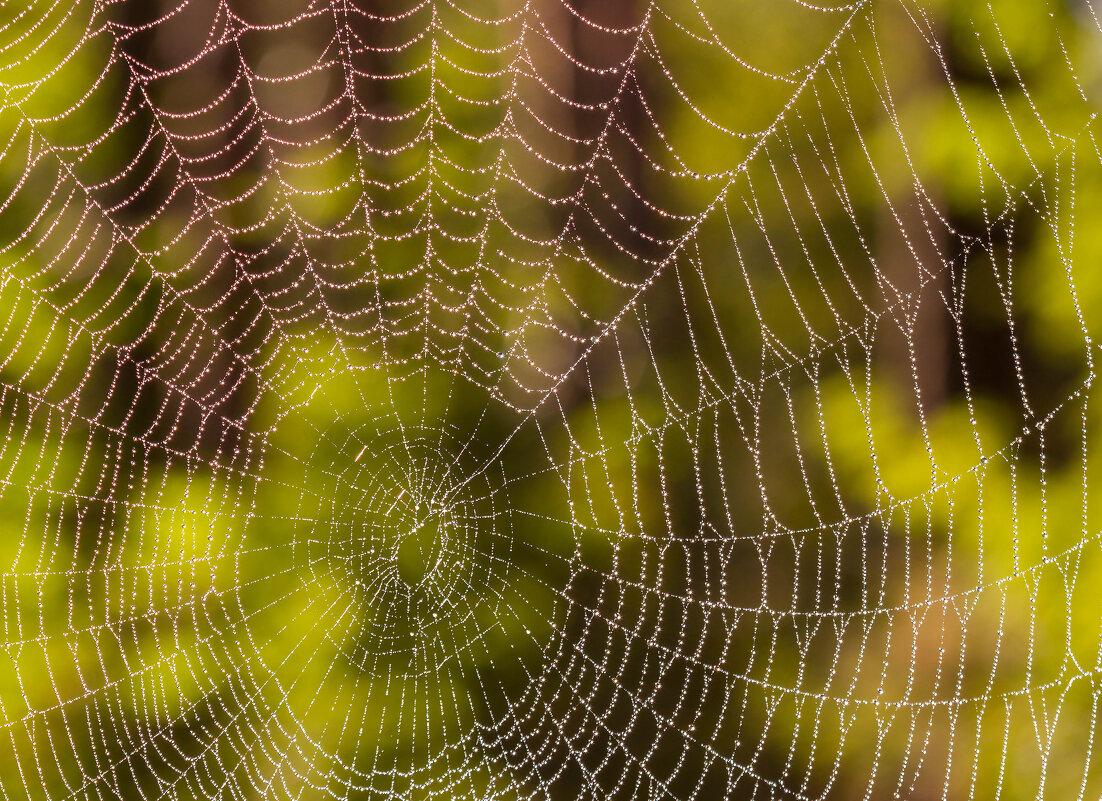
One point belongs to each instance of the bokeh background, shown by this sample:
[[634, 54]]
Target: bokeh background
[[552, 399]]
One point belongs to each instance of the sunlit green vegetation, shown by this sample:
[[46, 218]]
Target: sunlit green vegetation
[[391, 406]]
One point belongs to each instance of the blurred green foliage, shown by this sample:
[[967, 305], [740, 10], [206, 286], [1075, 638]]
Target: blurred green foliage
[[861, 381]]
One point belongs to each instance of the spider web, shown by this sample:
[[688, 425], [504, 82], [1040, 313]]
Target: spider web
[[608, 399]]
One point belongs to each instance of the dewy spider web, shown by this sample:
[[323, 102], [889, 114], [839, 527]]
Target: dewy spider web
[[493, 399]]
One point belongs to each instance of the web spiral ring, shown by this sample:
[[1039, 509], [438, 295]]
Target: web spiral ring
[[549, 399]]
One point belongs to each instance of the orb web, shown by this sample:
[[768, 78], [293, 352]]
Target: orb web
[[548, 399]]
